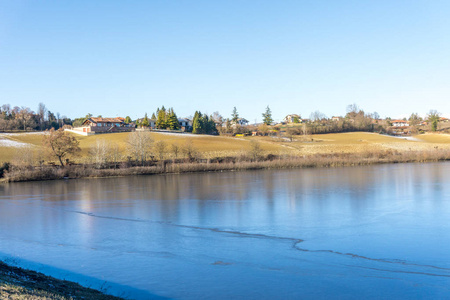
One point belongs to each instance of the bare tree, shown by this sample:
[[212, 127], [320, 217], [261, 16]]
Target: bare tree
[[352, 109], [414, 119], [190, 151], [24, 157], [63, 117], [140, 143], [58, 118], [291, 132], [317, 116], [375, 116], [218, 119], [99, 153], [114, 154], [175, 150], [25, 116], [264, 129], [41, 113], [6, 109], [160, 148], [255, 150], [433, 117], [4, 124], [304, 130], [60, 144]]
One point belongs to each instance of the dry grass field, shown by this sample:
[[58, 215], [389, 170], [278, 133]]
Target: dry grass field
[[13, 145]]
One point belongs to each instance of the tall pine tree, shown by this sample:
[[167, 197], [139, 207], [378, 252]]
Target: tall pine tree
[[172, 120], [145, 121], [161, 122], [202, 124], [267, 116], [197, 123], [234, 115]]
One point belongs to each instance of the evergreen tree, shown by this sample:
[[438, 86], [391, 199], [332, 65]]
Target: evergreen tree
[[153, 116], [267, 116], [202, 124], [172, 120], [197, 123], [161, 121], [128, 120], [212, 126], [234, 115], [195, 115], [145, 122], [206, 125]]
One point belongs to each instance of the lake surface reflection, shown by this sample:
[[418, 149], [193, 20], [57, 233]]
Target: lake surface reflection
[[363, 232]]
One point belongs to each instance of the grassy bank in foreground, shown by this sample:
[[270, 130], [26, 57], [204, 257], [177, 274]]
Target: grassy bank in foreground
[[20, 284], [236, 164]]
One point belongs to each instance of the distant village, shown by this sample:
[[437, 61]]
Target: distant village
[[24, 119]]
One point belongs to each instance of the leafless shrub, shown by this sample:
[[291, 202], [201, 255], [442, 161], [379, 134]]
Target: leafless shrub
[[140, 144], [190, 151], [175, 150], [98, 153], [160, 149], [255, 150], [25, 157]]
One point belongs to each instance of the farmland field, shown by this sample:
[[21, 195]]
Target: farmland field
[[14, 145]]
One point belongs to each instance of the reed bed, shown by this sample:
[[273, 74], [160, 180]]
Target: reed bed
[[236, 163]]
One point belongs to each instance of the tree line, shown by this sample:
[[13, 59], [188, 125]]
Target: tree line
[[355, 119], [23, 118]]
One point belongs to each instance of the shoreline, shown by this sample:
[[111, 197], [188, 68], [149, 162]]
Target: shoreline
[[19, 283], [316, 161]]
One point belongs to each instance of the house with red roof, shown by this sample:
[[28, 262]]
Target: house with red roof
[[400, 123], [103, 125]]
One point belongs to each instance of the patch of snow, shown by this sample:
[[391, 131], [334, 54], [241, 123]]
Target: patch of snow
[[11, 143], [21, 134], [409, 138], [182, 134]]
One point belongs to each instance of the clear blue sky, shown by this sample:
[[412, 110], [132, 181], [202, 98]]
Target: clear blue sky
[[118, 58]]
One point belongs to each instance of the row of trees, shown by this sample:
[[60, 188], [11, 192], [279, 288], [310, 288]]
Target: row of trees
[[141, 150], [202, 124], [23, 118], [164, 119], [356, 119]]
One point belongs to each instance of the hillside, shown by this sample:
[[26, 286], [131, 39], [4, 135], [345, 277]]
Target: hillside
[[14, 145]]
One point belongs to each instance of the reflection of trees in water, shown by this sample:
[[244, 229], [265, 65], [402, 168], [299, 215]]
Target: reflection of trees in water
[[179, 195]]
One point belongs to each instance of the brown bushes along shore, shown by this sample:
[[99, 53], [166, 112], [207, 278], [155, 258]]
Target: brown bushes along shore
[[225, 164]]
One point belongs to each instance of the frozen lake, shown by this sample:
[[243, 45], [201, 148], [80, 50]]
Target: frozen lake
[[363, 232]]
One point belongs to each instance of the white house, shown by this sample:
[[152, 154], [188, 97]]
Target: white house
[[400, 123], [185, 123], [336, 119], [291, 118]]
